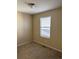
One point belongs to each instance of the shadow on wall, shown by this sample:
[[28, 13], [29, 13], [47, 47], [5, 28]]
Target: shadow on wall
[[24, 28]]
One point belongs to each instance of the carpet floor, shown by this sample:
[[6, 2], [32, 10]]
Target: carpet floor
[[36, 51]]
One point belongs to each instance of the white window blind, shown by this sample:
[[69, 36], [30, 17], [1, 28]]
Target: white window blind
[[45, 23]]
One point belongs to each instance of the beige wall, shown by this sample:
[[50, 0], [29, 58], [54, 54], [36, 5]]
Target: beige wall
[[55, 39], [24, 28]]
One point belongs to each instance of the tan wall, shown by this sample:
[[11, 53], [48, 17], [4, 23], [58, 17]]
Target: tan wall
[[55, 39], [24, 28]]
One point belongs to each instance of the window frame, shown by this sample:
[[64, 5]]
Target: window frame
[[50, 27]]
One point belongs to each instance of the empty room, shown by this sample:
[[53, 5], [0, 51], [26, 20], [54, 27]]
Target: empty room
[[39, 29]]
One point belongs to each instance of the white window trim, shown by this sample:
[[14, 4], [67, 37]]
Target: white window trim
[[42, 36]]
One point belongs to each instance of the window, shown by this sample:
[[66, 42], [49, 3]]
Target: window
[[45, 23]]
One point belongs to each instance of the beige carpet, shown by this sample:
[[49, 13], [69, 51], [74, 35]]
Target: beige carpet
[[36, 51]]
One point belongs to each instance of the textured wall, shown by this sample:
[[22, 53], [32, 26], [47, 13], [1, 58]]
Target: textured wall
[[55, 39], [24, 28]]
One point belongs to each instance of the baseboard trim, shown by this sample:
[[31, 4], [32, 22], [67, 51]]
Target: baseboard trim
[[49, 46], [20, 44], [40, 44]]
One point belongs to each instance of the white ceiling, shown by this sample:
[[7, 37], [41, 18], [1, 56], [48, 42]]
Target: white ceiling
[[41, 5]]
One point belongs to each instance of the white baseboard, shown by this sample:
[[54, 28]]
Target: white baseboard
[[48, 46], [20, 44], [40, 44]]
